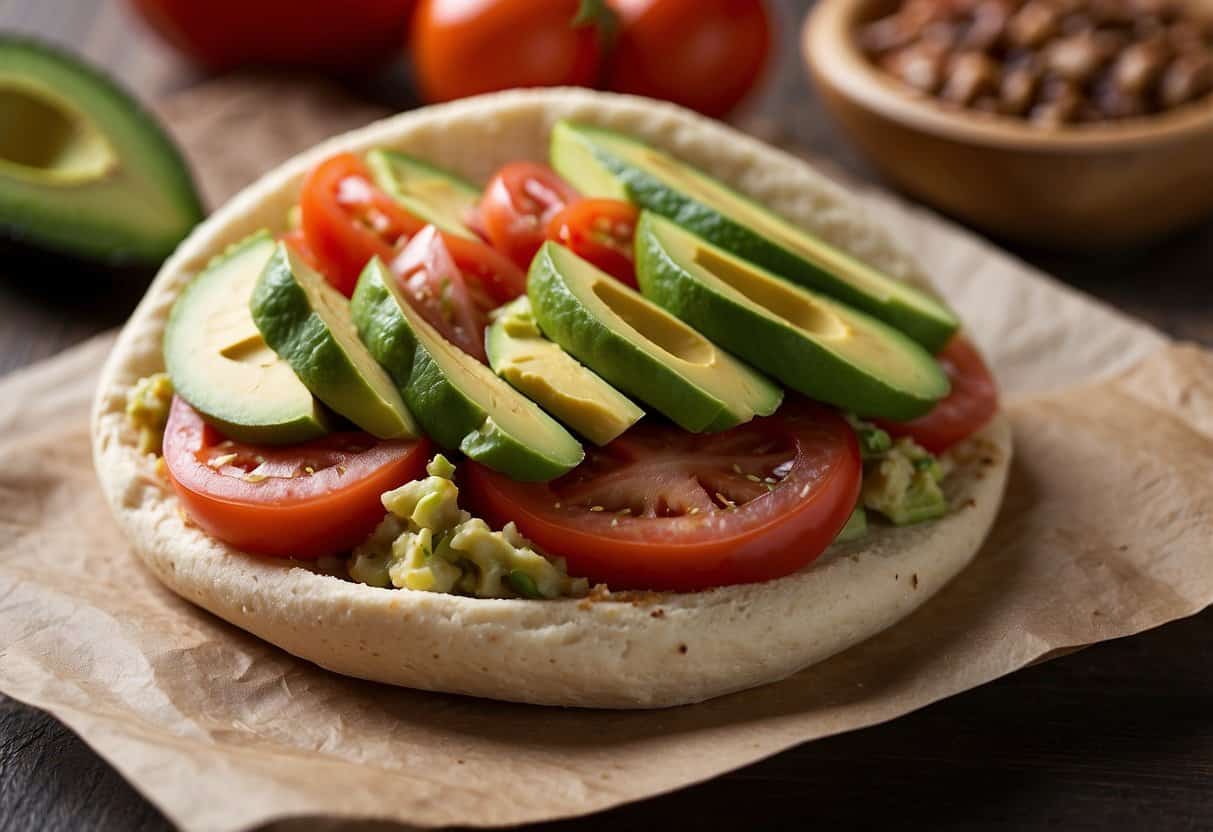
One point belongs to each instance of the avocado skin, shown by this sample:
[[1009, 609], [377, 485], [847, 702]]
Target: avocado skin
[[650, 193], [769, 346], [44, 224], [563, 319], [445, 413]]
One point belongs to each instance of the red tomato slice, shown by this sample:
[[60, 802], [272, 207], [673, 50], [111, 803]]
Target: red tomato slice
[[601, 231], [496, 274], [346, 220], [303, 501], [661, 508], [518, 203], [440, 293], [972, 402]]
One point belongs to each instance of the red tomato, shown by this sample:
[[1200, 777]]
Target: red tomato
[[466, 47], [440, 293], [346, 220], [601, 231], [702, 54], [222, 34], [972, 402], [497, 275], [660, 508], [518, 203], [305, 501]]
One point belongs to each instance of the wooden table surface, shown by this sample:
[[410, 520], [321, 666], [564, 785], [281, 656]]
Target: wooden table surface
[[1118, 736]]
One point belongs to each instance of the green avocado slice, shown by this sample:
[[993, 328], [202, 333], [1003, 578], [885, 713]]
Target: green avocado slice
[[811, 343], [603, 163], [308, 324], [457, 400], [430, 193], [640, 348], [84, 170], [220, 363], [553, 379]]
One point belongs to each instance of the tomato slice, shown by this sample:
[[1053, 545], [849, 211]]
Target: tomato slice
[[660, 508], [303, 501], [601, 231], [496, 274], [346, 220], [972, 402], [440, 293], [518, 203]]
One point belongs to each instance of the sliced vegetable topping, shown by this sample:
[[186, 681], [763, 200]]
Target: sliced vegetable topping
[[518, 203], [661, 508], [303, 501], [971, 404], [600, 231]]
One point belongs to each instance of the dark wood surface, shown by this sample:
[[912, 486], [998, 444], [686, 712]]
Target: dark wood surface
[[1118, 736]]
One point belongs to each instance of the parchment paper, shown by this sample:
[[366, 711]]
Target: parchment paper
[[1105, 532]]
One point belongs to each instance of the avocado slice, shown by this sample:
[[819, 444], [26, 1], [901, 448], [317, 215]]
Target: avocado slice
[[604, 163], [812, 343], [309, 325], [457, 400], [430, 193], [640, 348], [549, 376], [83, 169], [220, 363]]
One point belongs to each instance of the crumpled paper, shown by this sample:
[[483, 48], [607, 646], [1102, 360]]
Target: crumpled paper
[[1106, 531]]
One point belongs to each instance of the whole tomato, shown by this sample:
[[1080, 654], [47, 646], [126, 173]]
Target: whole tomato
[[222, 34], [467, 47], [702, 54]]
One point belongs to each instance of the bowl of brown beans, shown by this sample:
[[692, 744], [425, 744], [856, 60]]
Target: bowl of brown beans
[[1075, 123]]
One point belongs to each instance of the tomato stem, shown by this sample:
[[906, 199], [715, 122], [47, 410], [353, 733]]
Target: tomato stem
[[602, 17]]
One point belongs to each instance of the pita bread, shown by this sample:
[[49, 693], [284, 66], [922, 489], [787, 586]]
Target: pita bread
[[630, 651]]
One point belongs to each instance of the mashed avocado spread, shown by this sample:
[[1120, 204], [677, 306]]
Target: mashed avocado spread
[[901, 480], [428, 543], [147, 405]]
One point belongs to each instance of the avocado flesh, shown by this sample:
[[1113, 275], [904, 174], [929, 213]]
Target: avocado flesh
[[809, 342], [553, 379], [220, 363], [640, 348], [458, 401], [603, 163], [429, 193], [309, 325], [83, 169]]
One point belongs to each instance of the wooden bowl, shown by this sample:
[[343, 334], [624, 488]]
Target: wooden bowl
[[1085, 187]]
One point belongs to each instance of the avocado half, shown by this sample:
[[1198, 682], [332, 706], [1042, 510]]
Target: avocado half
[[84, 170]]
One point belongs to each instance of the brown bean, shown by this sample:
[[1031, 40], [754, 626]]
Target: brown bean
[[1186, 35], [1190, 76], [883, 35], [1033, 24], [1115, 102], [988, 25], [1139, 67], [920, 67], [1018, 88], [1075, 58], [969, 75]]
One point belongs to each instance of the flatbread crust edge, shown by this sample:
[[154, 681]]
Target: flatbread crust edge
[[646, 650]]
